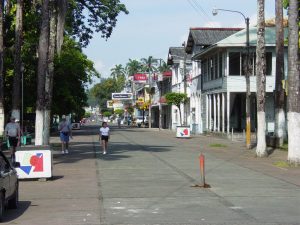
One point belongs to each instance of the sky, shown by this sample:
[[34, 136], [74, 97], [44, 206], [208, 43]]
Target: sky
[[153, 26]]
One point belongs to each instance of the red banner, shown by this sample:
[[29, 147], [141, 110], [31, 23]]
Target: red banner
[[167, 73], [140, 77]]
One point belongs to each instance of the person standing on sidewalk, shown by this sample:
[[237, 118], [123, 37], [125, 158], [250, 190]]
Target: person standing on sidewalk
[[13, 132], [65, 133], [104, 135]]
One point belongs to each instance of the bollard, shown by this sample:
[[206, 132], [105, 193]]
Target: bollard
[[202, 169]]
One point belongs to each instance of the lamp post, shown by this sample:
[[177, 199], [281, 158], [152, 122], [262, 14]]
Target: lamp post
[[22, 100], [247, 75]]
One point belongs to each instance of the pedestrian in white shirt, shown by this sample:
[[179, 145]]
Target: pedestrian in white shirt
[[13, 133], [104, 135]]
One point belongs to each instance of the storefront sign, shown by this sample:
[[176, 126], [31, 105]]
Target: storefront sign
[[34, 164], [109, 104], [140, 78], [121, 96], [167, 73]]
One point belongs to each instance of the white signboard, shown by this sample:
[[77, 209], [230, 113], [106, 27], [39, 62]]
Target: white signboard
[[121, 96], [183, 132], [34, 164]]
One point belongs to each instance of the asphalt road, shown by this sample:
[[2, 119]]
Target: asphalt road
[[148, 177]]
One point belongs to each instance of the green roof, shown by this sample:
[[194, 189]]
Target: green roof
[[239, 38]]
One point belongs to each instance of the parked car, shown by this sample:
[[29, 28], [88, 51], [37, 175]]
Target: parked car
[[139, 121], [9, 185]]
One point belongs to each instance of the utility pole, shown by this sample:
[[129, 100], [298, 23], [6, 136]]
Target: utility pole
[[184, 84], [247, 76]]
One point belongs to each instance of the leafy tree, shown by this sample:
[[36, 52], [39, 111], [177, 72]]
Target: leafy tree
[[280, 122], [261, 148], [72, 70], [99, 16], [293, 114], [176, 99], [107, 113], [103, 90], [1, 71], [119, 112]]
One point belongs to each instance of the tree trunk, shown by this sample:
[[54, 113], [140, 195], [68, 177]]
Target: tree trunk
[[49, 76], [42, 73], [61, 18], [16, 95], [293, 84], [280, 122], [261, 149], [1, 71]]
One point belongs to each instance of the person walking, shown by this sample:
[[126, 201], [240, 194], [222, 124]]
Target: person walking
[[13, 133], [65, 133], [119, 121], [104, 136]]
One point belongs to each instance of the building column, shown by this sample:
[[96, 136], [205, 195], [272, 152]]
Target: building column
[[223, 113], [206, 114], [209, 112], [219, 117], [228, 112], [215, 112]]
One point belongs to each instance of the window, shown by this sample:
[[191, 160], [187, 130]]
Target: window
[[220, 65], [268, 63], [234, 64]]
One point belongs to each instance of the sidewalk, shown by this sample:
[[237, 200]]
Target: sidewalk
[[71, 197]]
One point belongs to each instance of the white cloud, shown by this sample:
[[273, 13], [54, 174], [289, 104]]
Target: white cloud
[[99, 65]]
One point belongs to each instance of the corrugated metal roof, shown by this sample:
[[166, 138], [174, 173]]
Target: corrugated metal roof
[[205, 36], [176, 54]]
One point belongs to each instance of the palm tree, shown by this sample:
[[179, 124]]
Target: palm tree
[[293, 114], [1, 71], [149, 66], [164, 67], [261, 148], [117, 71], [280, 123], [133, 67]]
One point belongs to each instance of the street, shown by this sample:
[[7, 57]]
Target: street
[[147, 177]]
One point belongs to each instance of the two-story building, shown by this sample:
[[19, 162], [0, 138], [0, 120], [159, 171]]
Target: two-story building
[[180, 63], [223, 82], [198, 40]]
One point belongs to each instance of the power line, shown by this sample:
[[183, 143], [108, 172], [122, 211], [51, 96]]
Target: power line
[[195, 6], [198, 5]]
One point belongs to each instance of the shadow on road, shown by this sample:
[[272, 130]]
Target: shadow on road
[[13, 214]]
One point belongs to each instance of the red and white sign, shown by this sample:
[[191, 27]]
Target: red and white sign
[[167, 73], [183, 132], [140, 78], [34, 164]]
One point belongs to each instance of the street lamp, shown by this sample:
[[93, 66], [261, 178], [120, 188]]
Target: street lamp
[[248, 93], [22, 100]]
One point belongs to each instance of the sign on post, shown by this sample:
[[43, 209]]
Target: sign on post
[[121, 96], [183, 132]]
